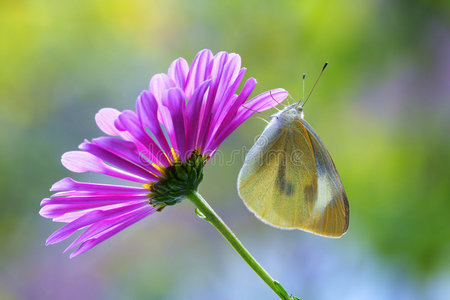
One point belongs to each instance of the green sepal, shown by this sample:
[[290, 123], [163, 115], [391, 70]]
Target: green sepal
[[178, 181]]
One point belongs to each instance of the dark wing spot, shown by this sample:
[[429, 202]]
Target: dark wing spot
[[284, 186], [288, 188]]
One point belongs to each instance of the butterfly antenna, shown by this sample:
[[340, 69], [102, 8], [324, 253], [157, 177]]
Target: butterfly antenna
[[303, 86], [324, 66], [303, 95]]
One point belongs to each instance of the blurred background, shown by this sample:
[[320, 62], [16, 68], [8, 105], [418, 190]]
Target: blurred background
[[382, 109]]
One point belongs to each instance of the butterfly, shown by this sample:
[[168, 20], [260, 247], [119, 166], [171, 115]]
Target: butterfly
[[289, 180]]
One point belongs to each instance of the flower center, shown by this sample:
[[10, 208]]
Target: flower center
[[179, 180]]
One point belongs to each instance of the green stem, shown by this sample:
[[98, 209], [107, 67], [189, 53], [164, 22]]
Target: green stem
[[210, 215]]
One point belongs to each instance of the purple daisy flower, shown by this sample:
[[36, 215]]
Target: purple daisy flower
[[179, 123]]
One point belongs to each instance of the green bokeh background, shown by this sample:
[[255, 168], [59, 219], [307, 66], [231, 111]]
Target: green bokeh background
[[382, 109]]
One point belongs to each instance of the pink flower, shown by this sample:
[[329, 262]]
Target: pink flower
[[179, 123]]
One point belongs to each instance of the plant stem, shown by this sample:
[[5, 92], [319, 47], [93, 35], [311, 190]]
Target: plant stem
[[210, 215]]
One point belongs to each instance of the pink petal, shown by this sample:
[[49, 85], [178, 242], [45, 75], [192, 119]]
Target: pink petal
[[193, 114], [53, 211], [175, 102], [198, 72], [259, 103], [129, 121], [267, 100], [178, 72], [87, 219], [126, 150], [105, 120], [80, 162], [147, 110], [68, 184], [70, 215], [227, 77], [101, 200], [159, 84], [104, 225], [218, 137], [165, 118], [89, 244], [242, 97], [219, 62], [225, 107], [110, 157]]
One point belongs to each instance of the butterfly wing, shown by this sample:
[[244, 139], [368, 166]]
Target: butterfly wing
[[278, 181], [288, 180], [330, 215]]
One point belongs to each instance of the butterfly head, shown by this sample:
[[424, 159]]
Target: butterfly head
[[289, 114]]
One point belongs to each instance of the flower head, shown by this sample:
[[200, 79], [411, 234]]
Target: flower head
[[179, 123]]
